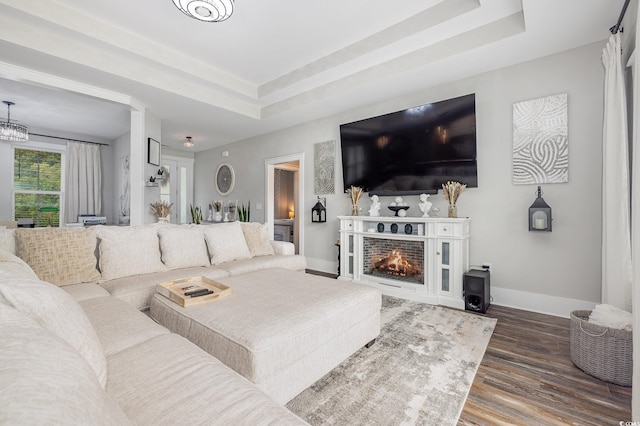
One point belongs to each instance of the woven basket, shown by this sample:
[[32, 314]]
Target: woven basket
[[605, 353]]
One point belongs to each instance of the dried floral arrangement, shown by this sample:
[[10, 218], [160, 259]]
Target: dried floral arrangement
[[216, 206], [355, 192], [452, 191], [161, 208]]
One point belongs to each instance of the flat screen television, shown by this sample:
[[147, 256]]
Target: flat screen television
[[412, 151]]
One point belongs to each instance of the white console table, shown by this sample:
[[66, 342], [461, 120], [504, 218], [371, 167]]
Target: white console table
[[445, 258]]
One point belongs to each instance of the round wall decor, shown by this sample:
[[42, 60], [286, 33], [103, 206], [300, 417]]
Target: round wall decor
[[380, 227], [408, 229], [394, 228], [225, 179]]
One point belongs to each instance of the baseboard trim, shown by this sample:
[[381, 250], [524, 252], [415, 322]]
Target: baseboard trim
[[533, 302], [322, 265], [540, 303]]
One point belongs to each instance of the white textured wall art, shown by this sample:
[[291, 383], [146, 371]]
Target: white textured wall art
[[324, 160], [540, 141]]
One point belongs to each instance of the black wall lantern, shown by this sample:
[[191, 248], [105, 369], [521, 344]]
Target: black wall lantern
[[540, 215], [319, 211]]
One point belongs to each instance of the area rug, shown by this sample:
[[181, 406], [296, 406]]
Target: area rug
[[419, 371]]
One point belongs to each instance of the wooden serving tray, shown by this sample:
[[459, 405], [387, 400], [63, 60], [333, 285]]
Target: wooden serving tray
[[175, 290]]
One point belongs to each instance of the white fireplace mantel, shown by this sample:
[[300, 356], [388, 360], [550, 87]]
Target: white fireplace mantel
[[446, 255]]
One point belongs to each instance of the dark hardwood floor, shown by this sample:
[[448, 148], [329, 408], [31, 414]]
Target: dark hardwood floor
[[527, 378]]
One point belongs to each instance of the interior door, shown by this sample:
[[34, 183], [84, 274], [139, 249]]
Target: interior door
[[177, 188]]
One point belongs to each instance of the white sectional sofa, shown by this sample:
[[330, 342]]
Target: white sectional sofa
[[77, 295], [129, 262], [97, 360]]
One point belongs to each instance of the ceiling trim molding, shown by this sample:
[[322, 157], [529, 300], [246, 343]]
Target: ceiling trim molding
[[494, 31], [26, 75], [87, 27], [428, 18]]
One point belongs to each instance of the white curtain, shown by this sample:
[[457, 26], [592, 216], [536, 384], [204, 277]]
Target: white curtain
[[635, 223], [84, 181], [616, 233]]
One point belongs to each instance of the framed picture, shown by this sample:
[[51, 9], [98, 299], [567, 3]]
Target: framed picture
[[153, 152]]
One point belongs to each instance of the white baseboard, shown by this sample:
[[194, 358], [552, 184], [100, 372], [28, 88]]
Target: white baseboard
[[322, 265], [541, 303], [534, 302]]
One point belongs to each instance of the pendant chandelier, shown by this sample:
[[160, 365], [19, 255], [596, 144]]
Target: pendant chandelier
[[206, 10], [188, 143], [13, 132]]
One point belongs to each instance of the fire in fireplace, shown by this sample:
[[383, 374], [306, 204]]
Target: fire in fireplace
[[396, 264], [394, 259]]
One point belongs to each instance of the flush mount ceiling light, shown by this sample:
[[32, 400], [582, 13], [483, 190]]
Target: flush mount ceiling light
[[188, 143], [13, 132], [206, 10]]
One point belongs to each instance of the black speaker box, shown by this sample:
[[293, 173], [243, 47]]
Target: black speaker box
[[477, 294]]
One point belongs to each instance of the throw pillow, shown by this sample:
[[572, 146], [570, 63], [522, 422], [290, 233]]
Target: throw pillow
[[61, 256], [226, 242], [183, 246], [56, 311], [46, 381], [8, 240], [13, 267], [127, 251], [257, 238]]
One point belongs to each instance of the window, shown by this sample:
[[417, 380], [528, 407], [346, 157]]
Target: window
[[37, 186]]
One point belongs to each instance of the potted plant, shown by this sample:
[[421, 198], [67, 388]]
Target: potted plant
[[217, 210]]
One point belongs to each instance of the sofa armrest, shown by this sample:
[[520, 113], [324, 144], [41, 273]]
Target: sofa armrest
[[283, 247]]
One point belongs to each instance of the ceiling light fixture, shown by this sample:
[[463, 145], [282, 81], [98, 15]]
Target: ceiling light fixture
[[188, 143], [13, 132], [206, 10]]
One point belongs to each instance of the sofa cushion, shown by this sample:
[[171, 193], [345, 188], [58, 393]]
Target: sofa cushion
[[283, 247], [127, 251], [138, 290], [61, 256], [46, 381], [257, 237], [119, 325], [12, 266], [226, 242], [8, 240], [85, 291], [188, 386], [56, 311], [183, 246], [244, 266]]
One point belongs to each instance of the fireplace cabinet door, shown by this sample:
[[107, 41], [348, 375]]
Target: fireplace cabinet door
[[444, 276], [347, 256]]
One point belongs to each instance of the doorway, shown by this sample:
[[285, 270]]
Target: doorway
[[285, 199], [177, 187]]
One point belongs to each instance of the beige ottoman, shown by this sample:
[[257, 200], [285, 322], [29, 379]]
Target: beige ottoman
[[281, 329]]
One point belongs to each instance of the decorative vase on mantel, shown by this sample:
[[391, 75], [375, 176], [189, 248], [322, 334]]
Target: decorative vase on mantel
[[164, 219], [453, 210], [452, 191], [354, 210]]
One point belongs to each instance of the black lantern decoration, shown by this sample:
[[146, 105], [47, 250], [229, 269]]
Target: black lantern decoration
[[540, 215], [319, 211]]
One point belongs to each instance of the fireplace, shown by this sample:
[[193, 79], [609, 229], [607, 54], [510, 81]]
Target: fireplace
[[394, 259]]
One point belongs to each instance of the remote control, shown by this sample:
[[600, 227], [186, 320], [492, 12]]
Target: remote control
[[195, 292], [202, 294]]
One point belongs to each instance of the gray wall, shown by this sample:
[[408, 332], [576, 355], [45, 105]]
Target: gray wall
[[563, 264]]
